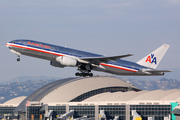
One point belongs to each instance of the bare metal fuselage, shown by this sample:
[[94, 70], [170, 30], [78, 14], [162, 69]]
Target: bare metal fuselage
[[51, 52]]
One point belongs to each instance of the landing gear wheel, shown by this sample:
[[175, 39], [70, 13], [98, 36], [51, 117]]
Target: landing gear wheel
[[77, 74], [18, 59], [90, 74], [84, 74]]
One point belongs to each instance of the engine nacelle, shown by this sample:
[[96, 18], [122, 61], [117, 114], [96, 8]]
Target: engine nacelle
[[67, 61], [56, 64]]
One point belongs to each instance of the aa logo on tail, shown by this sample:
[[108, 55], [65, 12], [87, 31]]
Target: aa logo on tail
[[151, 59]]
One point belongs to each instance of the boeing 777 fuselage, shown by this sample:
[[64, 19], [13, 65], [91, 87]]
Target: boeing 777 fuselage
[[86, 62]]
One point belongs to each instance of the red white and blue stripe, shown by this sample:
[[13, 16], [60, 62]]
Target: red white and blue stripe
[[59, 53]]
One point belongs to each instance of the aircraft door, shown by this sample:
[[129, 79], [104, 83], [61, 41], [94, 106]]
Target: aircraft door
[[53, 49]]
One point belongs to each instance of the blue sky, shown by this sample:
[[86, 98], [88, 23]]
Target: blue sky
[[107, 27]]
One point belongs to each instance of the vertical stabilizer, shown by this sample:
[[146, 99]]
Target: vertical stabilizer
[[153, 59]]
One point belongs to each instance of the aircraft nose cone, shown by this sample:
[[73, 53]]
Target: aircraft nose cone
[[7, 45]]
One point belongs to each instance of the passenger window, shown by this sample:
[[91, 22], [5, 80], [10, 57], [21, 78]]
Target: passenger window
[[52, 48]]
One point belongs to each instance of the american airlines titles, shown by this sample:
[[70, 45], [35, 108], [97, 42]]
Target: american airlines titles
[[39, 45]]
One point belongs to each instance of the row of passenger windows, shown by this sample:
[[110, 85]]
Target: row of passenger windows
[[57, 49]]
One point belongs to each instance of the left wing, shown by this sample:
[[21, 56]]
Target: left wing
[[97, 60]]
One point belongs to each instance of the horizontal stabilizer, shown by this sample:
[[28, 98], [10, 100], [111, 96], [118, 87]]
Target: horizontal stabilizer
[[97, 60], [158, 70]]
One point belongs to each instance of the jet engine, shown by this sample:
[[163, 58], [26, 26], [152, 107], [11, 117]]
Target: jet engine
[[67, 61], [56, 64]]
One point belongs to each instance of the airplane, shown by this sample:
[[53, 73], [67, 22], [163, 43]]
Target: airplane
[[86, 62]]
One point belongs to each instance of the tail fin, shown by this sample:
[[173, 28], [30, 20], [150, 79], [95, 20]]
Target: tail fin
[[153, 59]]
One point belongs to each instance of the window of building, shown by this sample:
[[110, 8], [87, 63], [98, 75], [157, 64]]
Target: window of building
[[98, 91]]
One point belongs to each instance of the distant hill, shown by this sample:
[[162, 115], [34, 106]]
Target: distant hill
[[25, 85], [26, 78], [163, 83], [20, 88], [175, 74]]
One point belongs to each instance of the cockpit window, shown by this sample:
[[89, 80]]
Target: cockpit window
[[12, 42]]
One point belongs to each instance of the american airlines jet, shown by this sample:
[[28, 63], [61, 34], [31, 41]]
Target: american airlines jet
[[86, 62]]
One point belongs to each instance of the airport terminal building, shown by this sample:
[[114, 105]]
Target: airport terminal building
[[98, 97]]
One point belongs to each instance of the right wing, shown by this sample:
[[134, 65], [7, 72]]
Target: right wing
[[97, 60]]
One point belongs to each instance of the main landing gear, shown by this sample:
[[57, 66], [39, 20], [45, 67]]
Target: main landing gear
[[83, 74], [85, 70]]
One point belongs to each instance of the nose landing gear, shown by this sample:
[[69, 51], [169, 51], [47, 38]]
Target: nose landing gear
[[18, 59]]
